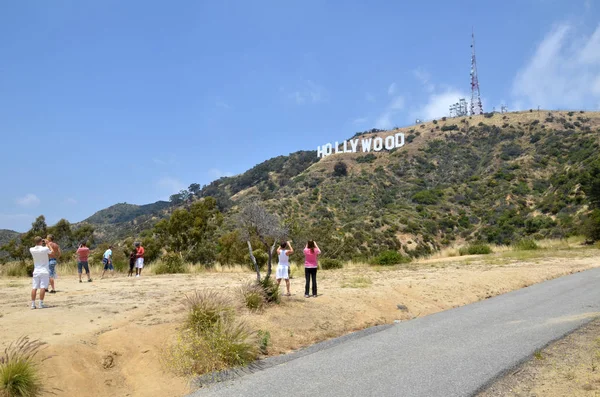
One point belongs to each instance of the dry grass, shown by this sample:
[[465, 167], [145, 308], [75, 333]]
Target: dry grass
[[19, 374]]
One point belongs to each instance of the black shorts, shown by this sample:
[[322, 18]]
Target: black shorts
[[131, 265]]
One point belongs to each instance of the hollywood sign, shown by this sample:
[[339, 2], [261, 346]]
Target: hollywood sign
[[366, 144]]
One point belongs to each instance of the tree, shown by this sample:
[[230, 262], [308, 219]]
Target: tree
[[255, 221], [176, 199], [340, 169], [194, 189], [190, 233], [85, 233]]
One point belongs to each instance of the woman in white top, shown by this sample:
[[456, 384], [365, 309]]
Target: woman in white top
[[283, 268]]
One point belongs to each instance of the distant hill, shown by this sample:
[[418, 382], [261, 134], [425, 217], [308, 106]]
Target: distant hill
[[124, 220], [494, 177], [7, 235]]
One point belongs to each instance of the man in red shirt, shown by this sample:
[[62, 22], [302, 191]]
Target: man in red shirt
[[83, 253], [139, 261]]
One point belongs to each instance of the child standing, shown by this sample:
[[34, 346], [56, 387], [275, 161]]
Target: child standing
[[132, 258]]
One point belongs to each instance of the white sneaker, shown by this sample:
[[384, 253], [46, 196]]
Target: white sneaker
[[33, 305], [137, 275], [42, 305]]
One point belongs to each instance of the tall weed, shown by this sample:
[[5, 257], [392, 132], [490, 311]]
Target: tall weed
[[19, 375]]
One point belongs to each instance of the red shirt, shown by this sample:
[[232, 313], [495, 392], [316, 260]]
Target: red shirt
[[82, 254], [140, 252]]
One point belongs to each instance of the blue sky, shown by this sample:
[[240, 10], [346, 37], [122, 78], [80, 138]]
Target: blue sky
[[129, 101]]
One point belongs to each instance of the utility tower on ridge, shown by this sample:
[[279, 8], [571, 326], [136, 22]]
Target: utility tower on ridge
[[476, 107]]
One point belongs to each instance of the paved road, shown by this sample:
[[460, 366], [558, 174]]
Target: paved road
[[452, 353]]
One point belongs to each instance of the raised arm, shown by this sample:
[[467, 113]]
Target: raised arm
[[291, 250]]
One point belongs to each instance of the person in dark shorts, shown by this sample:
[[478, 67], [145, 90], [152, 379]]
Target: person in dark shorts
[[107, 262], [132, 259]]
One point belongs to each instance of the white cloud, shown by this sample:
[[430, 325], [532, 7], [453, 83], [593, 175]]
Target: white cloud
[[386, 119], [217, 173], [424, 78], [169, 184], [29, 200], [310, 92], [562, 73], [587, 4], [438, 104], [369, 97], [359, 120], [392, 89], [70, 201]]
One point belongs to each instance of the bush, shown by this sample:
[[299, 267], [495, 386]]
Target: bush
[[212, 339], [261, 259], [591, 226], [170, 263], [389, 258], [206, 309], [340, 169], [367, 158], [526, 244], [271, 290], [450, 127], [253, 296], [475, 249], [427, 197], [264, 340], [225, 345], [18, 372], [328, 264]]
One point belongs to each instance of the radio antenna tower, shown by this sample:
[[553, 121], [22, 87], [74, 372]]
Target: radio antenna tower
[[476, 107]]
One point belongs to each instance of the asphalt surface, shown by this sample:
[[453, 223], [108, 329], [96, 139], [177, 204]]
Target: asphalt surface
[[453, 353]]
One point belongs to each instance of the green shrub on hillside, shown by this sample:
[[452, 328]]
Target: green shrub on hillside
[[526, 244], [170, 263], [328, 264], [475, 249], [367, 158], [428, 197], [389, 258]]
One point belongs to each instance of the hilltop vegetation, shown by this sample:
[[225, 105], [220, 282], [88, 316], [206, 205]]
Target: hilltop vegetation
[[494, 178]]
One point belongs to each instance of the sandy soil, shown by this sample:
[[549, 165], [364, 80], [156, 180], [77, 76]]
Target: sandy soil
[[106, 338], [569, 367]]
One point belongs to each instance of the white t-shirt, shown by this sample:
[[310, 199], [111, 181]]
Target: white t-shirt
[[107, 254], [40, 260]]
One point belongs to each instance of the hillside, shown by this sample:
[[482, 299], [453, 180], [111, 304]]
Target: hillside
[[123, 220], [494, 177], [7, 235]]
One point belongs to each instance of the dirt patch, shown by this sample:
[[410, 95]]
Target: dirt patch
[[132, 320], [569, 367]]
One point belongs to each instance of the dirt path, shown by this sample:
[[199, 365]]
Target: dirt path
[[108, 336]]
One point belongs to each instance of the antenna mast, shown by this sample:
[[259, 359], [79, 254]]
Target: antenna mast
[[476, 107]]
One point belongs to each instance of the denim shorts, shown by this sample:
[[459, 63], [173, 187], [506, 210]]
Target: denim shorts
[[81, 266], [52, 267], [107, 265]]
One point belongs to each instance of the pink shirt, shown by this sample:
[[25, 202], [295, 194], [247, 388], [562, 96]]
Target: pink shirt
[[83, 253], [310, 258]]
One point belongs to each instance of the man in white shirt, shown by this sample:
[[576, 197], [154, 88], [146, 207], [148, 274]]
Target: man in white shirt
[[41, 270]]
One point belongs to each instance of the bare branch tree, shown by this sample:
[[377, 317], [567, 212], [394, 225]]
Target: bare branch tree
[[254, 220]]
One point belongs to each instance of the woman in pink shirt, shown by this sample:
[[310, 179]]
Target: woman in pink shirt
[[311, 251]]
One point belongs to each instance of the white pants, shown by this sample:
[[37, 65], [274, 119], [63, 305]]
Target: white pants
[[139, 263], [41, 281]]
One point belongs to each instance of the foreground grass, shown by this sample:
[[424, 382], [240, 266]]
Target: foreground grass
[[19, 376]]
